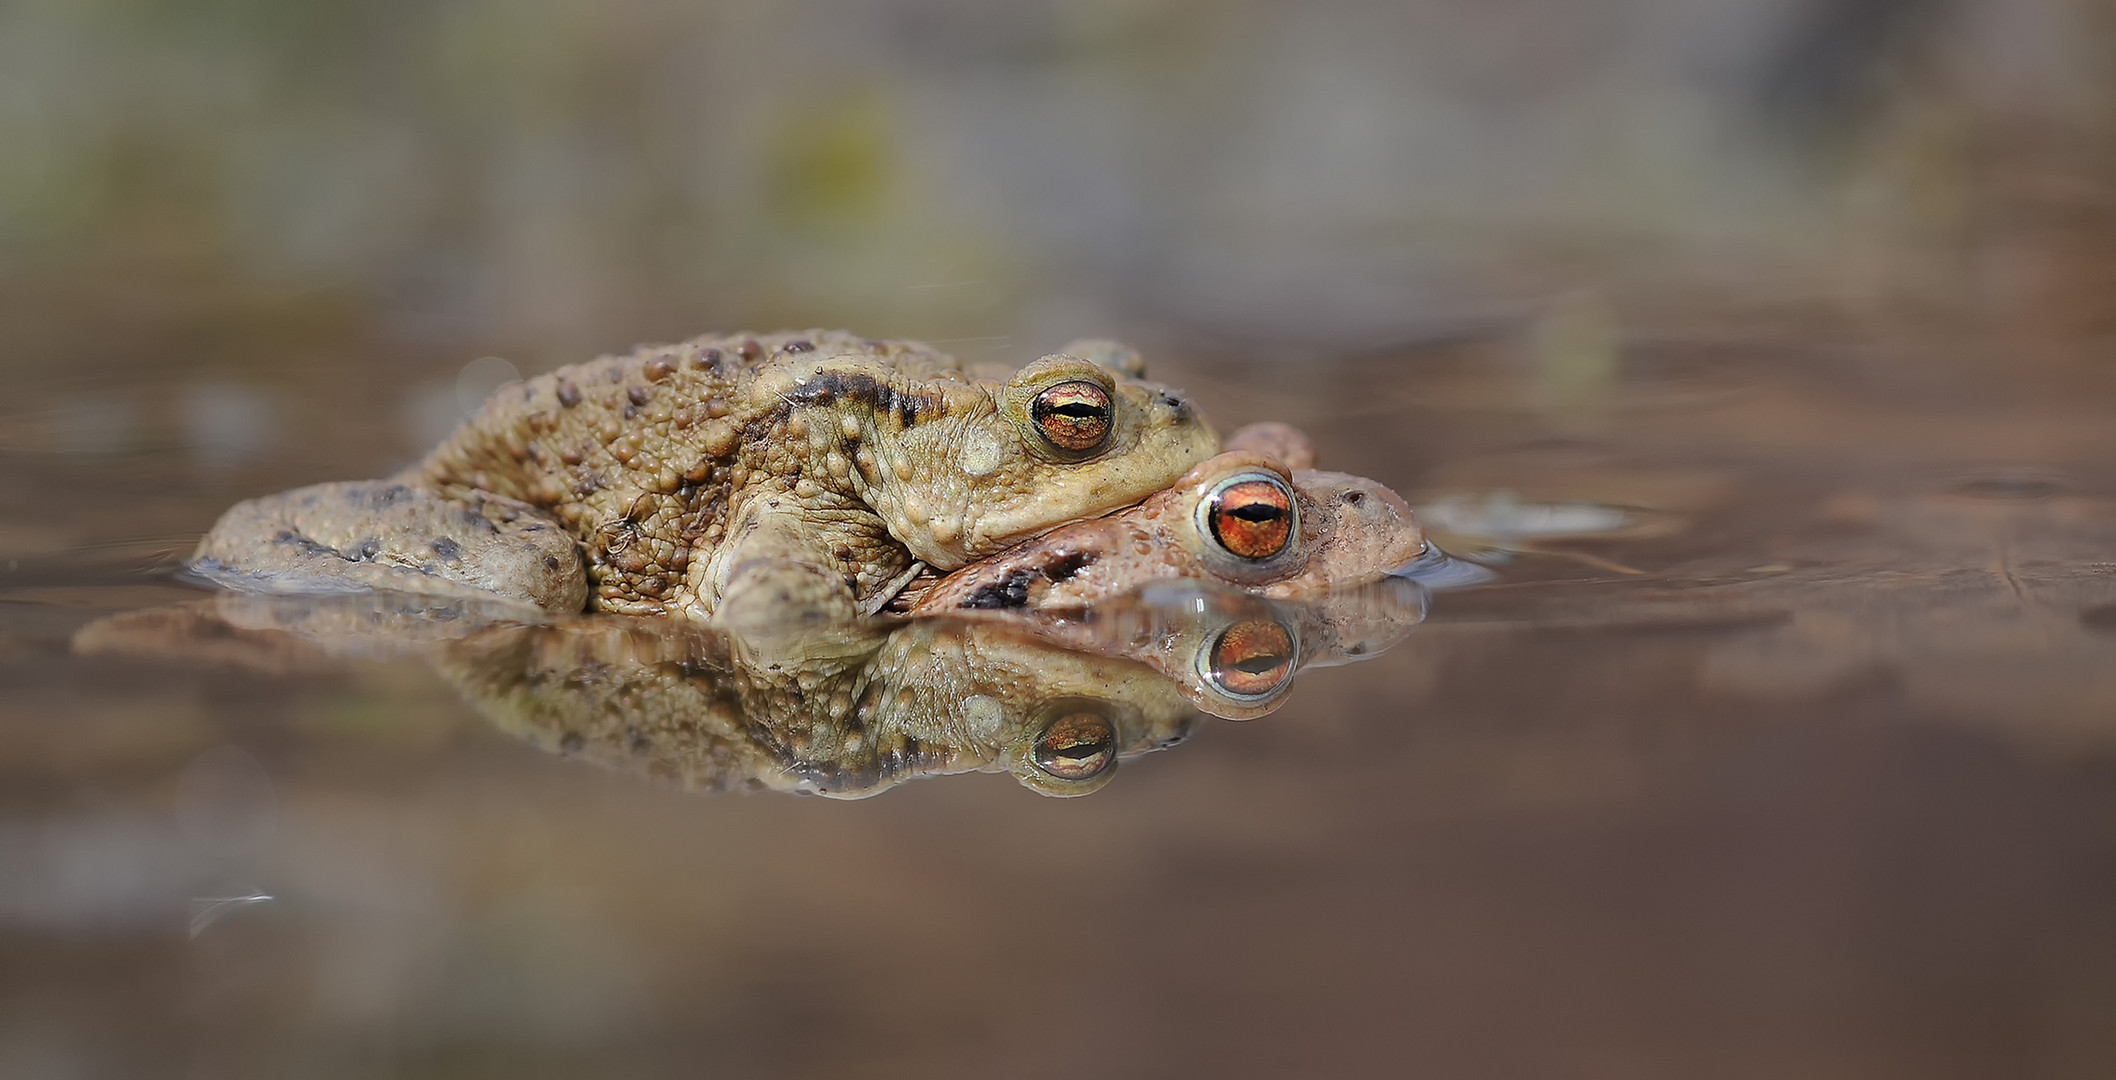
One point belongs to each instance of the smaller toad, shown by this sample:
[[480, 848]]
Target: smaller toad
[[1240, 519]]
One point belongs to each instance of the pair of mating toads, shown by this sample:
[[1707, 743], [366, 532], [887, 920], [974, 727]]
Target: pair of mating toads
[[762, 481]]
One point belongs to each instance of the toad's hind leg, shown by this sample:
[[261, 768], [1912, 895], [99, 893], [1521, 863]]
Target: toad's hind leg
[[768, 577], [789, 562], [380, 535]]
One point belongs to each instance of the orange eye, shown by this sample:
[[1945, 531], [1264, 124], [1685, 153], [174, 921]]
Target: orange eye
[[1251, 515], [1251, 659], [1076, 746], [1073, 415]]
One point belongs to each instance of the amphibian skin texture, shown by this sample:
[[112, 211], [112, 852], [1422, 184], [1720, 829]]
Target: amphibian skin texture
[[1240, 519], [899, 702], [854, 710], [752, 479]]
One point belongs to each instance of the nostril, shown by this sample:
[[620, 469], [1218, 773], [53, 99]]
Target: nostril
[[1354, 498]]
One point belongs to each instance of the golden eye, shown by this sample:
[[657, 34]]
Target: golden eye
[[1251, 659], [1073, 415], [1076, 746], [1250, 515]]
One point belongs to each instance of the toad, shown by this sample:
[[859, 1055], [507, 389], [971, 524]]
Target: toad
[[749, 479], [1241, 519]]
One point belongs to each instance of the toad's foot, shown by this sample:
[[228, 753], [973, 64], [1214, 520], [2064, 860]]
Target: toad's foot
[[351, 537]]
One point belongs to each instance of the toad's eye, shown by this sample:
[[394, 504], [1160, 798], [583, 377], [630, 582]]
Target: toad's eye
[[1251, 659], [1073, 415], [1250, 515], [1076, 746]]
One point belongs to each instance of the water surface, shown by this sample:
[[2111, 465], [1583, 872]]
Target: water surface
[[1784, 736]]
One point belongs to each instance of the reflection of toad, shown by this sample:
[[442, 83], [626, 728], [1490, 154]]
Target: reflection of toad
[[844, 711], [1232, 653], [747, 478], [866, 709]]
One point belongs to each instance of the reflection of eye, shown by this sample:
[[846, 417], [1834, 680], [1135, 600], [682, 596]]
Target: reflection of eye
[[1251, 659], [1076, 746], [1073, 415], [1250, 515]]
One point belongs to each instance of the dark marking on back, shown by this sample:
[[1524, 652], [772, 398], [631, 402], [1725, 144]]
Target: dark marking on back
[[1011, 591], [830, 387], [1067, 567], [307, 546], [797, 347], [568, 394], [638, 395], [447, 549], [381, 497]]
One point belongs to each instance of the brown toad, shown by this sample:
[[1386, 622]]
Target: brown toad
[[753, 479], [1240, 519]]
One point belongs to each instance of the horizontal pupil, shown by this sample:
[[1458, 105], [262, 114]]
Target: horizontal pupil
[[1078, 410], [1257, 665], [1257, 512]]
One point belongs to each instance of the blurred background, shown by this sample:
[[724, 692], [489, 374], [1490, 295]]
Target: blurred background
[[548, 178], [1825, 283]]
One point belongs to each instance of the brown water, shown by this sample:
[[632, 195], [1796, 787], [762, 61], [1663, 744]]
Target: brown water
[[1805, 765]]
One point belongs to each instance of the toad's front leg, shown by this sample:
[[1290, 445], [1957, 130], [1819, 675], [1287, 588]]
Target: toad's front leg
[[792, 557], [395, 537]]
